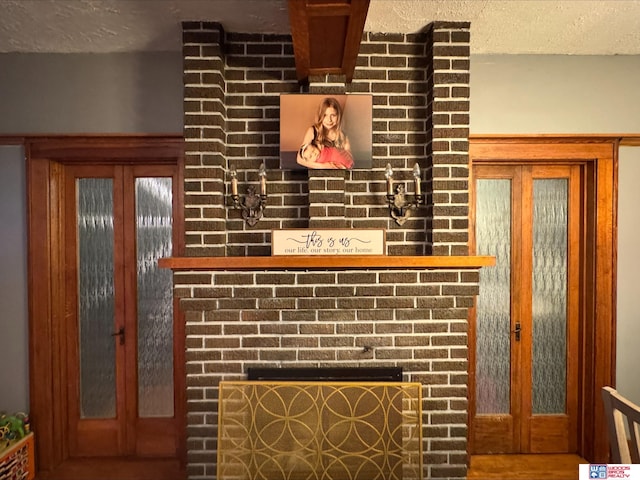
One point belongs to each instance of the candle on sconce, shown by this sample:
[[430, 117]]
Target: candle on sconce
[[262, 173], [417, 179], [251, 204], [234, 182], [388, 173]]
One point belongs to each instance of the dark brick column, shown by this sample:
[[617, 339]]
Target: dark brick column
[[205, 138], [450, 145]]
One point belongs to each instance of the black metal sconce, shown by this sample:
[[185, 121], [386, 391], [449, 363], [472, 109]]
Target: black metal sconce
[[252, 204], [400, 204]]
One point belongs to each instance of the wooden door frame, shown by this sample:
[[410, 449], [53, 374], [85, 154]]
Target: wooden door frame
[[599, 155], [46, 158], [528, 433]]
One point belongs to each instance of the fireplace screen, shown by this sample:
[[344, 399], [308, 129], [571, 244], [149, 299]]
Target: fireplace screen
[[319, 430]]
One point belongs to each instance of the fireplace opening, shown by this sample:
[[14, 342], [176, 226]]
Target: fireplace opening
[[329, 374]]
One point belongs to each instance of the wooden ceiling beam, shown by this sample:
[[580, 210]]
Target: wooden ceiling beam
[[326, 36]]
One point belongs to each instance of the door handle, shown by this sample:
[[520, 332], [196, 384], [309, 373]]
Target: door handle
[[119, 333], [517, 331]]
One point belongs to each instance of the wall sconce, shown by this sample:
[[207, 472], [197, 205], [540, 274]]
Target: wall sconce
[[252, 204], [399, 202]]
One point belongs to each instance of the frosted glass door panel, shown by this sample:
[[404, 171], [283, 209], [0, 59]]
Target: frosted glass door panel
[[493, 237], [96, 297], [155, 300], [549, 311]]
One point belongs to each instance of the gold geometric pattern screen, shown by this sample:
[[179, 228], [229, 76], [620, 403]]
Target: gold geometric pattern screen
[[319, 430]]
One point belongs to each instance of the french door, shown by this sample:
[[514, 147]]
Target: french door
[[119, 310], [526, 329]]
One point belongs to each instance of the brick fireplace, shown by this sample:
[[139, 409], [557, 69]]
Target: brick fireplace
[[242, 315]]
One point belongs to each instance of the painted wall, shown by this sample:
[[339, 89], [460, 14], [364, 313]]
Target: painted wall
[[142, 93], [555, 94], [14, 357], [628, 267], [89, 93]]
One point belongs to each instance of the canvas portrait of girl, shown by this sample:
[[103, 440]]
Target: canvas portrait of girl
[[325, 131]]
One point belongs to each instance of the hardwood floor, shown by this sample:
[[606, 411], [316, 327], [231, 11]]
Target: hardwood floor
[[524, 467], [483, 467], [110, 469]]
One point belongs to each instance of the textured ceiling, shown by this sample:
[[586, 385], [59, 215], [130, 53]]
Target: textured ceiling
[[579, 27]]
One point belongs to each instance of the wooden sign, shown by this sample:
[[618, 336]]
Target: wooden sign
[[366, 241]]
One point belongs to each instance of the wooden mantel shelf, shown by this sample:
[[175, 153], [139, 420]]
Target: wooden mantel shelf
[[324, 262]]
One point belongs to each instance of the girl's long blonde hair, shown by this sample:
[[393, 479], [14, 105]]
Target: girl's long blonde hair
[[321, 136]]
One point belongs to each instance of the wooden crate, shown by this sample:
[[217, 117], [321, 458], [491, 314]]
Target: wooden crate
[[18, 461]]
